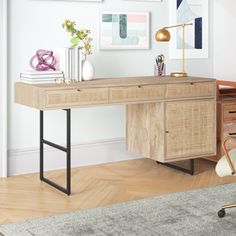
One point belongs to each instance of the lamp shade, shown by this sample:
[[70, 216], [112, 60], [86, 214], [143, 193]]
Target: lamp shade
[[163, 35]]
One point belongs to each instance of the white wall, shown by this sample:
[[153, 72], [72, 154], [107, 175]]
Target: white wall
[[224, 40], [3, 87], [37, 24]]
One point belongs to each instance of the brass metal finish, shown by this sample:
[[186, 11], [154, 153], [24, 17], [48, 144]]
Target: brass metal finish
[[229, 206], [178, 74], [163, 35], [227, 154], [175, 26]]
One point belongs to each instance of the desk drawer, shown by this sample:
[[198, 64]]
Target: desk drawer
[[229, 129], [76, 97], [136, 93], [229, 112], [190, 90]]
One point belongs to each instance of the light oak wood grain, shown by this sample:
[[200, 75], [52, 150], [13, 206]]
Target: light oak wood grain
[[25, 197], [136, 93], [167, 118], [76, 97], [146, 129], [119, 90], [191, 90], [121, 81], [190, 129]]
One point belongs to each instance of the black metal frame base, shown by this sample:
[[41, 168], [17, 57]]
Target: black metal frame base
[[66, 149], [188, 171]]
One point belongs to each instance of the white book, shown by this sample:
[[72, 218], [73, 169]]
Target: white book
[[81, 61], [34, 73], [38, 82], [41, 76], [63, 60], [70, 62]]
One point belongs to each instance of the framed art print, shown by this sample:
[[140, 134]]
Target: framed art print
[[124, 30], [145, 0], [196, 36]]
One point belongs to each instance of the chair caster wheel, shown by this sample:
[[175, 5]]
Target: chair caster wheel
[[221, 213]]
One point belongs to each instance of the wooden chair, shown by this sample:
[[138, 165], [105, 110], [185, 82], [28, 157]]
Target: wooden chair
[[226, 167]]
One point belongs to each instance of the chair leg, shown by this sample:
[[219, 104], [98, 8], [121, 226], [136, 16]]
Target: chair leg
[[221, 213]]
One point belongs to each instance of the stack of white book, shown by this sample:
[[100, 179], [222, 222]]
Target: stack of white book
[[70, 61], [39, 77]]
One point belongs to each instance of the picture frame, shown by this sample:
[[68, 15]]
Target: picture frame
[[124, 30], [78, 0], [197, 35], [144, 0]]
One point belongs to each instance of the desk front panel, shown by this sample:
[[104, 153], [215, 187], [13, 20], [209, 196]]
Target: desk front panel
[[76, 97], [136, 93], [190, 90]]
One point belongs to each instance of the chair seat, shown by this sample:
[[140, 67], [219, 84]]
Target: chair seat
[[223, 168]]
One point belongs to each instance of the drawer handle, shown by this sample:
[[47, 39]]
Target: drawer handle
[[231, 134], [232, 112], [192, 83], [78, 90], [139, 86], [167, 132]]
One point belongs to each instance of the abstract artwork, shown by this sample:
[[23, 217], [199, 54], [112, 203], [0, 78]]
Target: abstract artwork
[[120, 30], [196, 36]]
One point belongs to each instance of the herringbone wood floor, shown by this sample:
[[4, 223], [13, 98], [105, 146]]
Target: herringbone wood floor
[[25, 197]]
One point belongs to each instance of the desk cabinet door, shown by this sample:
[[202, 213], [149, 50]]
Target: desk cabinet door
[[190, 129]]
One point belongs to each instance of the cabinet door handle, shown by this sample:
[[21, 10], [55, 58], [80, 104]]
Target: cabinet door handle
[[232, 112], [167, 132], [78, 90], [231, 134]]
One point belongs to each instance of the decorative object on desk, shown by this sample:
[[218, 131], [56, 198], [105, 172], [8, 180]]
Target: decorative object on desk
[[45, 60], [88, 70], [39, 77], [70, 62], [160, 67], [196, 38], [163, 35], [124, 30], [76, 57]]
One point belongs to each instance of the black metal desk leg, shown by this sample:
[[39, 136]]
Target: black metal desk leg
[[68, 154], [41, 145], [189, 171], [66, 149]]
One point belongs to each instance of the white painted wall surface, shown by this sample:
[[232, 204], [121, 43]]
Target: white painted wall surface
[[224, 40], [3, 88], [36, 24]]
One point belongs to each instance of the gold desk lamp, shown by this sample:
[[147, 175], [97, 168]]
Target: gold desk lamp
[[163, 35]]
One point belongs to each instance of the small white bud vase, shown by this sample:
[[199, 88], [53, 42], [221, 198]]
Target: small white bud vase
[[88, 70]]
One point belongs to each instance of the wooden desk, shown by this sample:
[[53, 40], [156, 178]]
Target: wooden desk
[[168, 119]]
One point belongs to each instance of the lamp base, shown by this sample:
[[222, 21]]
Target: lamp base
[[178, 74]]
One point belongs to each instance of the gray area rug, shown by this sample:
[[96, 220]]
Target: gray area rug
[[186, 213]]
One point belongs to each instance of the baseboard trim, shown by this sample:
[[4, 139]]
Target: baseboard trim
[[23, 161]]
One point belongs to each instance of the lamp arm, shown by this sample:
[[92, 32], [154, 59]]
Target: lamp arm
[[175, 26]]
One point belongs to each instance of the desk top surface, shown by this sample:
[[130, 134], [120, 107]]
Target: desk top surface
[[121, 81]]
